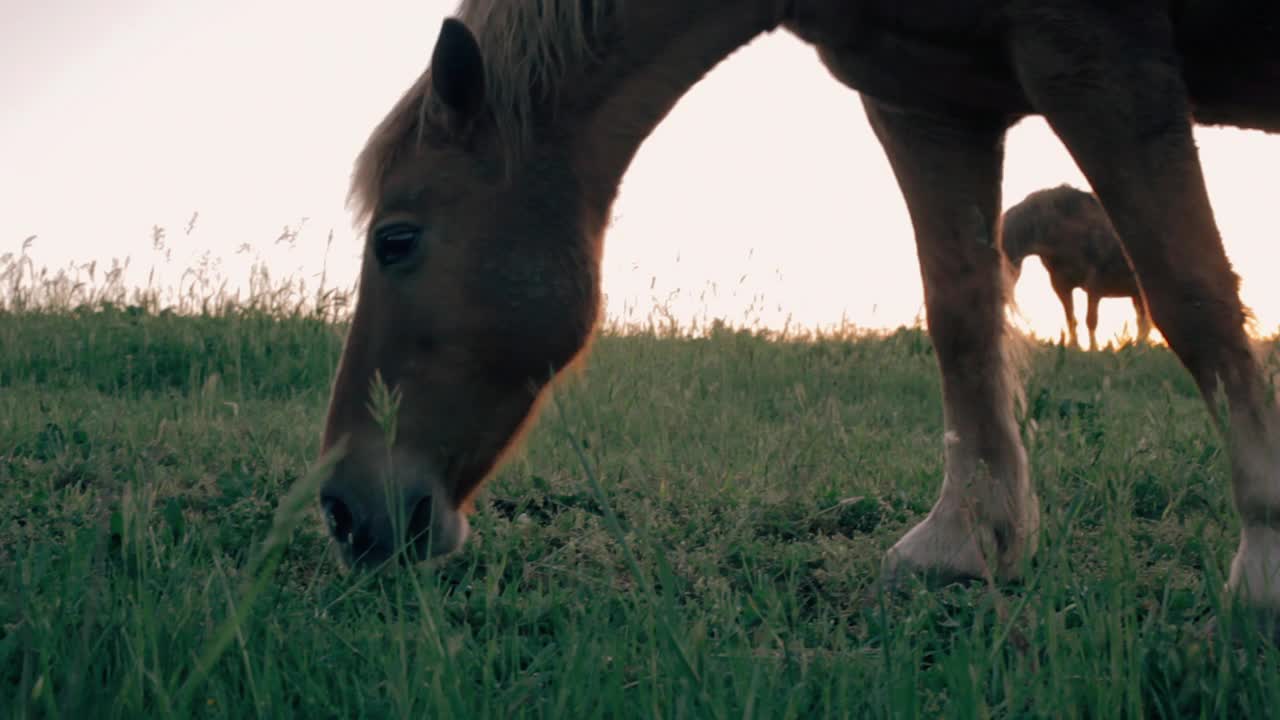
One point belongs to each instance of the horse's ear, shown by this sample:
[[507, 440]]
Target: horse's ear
[[457, 72]]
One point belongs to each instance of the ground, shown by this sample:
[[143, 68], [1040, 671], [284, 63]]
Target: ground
[[712, 552]]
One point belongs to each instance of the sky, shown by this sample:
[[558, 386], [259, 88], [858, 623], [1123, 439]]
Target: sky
[[762, 198]]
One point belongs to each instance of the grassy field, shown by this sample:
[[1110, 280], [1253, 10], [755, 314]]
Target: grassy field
[[692, 531]]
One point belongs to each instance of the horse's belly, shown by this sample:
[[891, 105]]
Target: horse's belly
[[1243, 93], [952, 59]]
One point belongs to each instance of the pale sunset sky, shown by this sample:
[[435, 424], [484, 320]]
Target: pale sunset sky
[[765, 183]]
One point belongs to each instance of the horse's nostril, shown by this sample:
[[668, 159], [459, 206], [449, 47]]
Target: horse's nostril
[[420, 519], [338, 516]]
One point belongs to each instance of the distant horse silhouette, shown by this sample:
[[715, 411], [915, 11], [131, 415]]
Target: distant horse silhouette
[[1070, 233], [486, 192]]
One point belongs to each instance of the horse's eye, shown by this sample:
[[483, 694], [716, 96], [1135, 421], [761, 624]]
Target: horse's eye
[[395, 242]]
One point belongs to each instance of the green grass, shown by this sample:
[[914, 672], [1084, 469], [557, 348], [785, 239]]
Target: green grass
[[692, 530]]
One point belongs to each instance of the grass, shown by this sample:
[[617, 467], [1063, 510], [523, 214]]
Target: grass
[[692, 530]]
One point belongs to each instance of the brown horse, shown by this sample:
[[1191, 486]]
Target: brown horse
[[487, 188], [1068, 229]]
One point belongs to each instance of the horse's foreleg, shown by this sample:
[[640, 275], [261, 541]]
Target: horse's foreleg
[[1068, 308], [1091, 320], [986, 517], [1111, 88]]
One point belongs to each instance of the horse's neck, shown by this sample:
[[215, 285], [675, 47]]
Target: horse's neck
[[667, 46]]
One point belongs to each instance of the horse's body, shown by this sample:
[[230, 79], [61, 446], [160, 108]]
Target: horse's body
[[1070, 233], [487, 189]]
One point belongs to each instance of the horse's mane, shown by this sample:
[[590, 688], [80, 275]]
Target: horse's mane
[[528, 47]]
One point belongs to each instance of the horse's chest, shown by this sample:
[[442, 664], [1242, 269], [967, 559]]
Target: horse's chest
[[945, 62]]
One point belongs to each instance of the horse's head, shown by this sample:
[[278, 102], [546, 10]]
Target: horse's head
[[479, 283], [1019, 237]]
